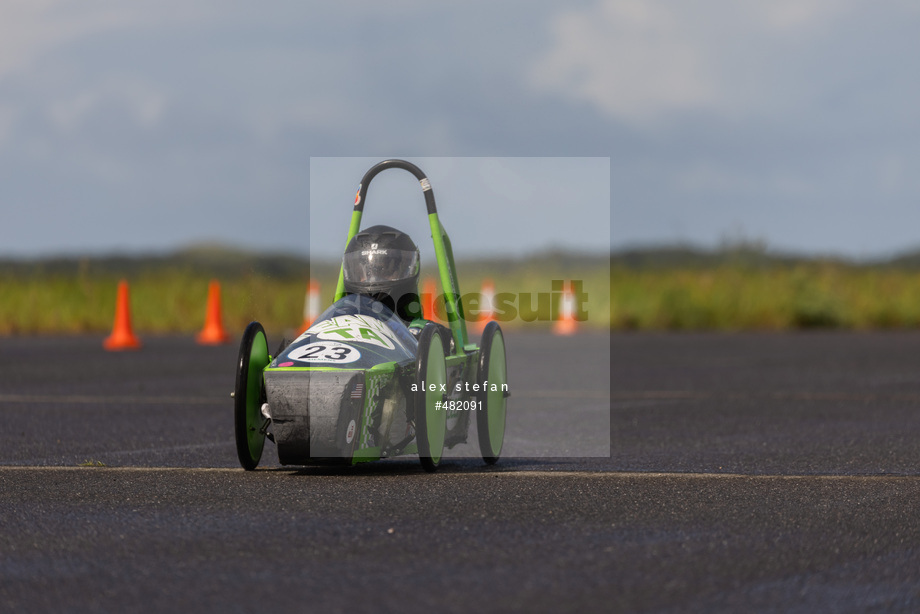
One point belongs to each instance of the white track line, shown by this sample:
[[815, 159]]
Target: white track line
[[563, 394], [99, 399], [523, 473], [140, 451], [690, 395], [629, 395]]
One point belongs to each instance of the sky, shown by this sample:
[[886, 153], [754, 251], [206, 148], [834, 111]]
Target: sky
[[488, 205], [150, 125]]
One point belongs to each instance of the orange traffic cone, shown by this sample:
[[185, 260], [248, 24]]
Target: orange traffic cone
[[429, 289], [486, 305], [213, 332], [310, 305], [566, 324], [122, 338]]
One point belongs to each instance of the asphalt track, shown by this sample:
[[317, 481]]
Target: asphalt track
[[747, 472]]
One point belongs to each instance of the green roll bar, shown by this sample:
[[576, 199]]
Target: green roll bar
[[444, 254]]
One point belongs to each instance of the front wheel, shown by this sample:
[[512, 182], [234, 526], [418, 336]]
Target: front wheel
[[430, 385], [249, 395], [493, 393]]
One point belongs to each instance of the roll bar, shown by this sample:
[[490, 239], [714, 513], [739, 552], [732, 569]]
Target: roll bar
[[442, 248]]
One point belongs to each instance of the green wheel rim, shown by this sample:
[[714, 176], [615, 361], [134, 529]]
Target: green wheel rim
[[250, 395], [436, 417], [258, 358], [493, 376], [496, 399], [431, 419]]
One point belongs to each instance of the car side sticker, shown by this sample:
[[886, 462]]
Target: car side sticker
[[350, 433], [338, 353], [355, 328]]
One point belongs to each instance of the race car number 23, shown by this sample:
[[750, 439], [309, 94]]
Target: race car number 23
[[326, 352]]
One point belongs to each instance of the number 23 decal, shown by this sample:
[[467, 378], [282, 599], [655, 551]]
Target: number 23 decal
[[326, 352]]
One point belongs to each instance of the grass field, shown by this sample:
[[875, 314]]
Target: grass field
[[169, 295], [776, 298], [160, 303]]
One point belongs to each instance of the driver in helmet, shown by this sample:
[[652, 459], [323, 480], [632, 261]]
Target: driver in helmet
[[383, 263]]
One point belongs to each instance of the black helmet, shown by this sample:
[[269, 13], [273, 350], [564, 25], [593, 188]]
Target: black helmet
[[383, 263]]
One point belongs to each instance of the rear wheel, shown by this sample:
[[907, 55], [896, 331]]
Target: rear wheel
[[493, 380], [430, 380], [249, 396]]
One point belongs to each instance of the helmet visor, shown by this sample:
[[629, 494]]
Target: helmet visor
[[380, 265]]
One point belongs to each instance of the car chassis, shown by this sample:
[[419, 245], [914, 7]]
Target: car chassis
[[360, 385]]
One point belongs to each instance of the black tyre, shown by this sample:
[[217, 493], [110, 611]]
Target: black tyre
[[249, 396], [493, 380], [430, 417]]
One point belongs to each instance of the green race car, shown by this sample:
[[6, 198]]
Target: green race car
[[370, 378]]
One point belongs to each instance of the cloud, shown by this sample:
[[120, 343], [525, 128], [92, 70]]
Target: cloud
[[630, 58], [641, 61], [29, 28], [144, 102]]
